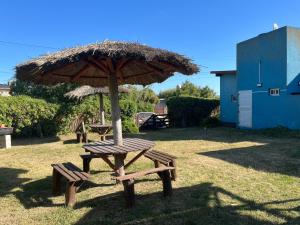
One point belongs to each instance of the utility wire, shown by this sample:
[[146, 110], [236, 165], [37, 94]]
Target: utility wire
[[27, 45]]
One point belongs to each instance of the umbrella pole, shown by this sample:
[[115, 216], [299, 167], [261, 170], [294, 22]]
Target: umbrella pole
[[102, 119], [115, 109]]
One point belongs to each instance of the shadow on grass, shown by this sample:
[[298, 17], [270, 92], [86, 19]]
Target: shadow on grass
[[10, 179], [38, 193], [219, 134], [273, 155], [268, 158], [199, 204], [33, 141]]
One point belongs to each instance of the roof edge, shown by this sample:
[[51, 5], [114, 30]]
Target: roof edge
[[223, 72]]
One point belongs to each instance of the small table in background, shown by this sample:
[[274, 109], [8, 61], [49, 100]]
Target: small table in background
[[107, 148], [102, 130]]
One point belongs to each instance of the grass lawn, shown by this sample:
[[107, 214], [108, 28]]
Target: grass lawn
[[226, 176]]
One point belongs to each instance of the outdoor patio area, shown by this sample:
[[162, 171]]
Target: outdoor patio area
[[225, 176]]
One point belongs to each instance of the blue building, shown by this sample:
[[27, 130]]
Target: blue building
[[264, 90]]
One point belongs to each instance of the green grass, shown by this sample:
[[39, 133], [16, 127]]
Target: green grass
[[226, 176]]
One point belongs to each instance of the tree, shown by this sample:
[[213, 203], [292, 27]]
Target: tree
[[52, 94], [188, 89], [145, 98]]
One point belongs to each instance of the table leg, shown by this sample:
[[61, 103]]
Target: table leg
[[119, 164]]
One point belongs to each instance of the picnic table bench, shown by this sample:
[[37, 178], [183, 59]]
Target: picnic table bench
[[162, 158], [128, 182], [74, 176]]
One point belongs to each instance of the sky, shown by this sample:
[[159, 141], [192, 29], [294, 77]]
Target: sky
[[205, 31]]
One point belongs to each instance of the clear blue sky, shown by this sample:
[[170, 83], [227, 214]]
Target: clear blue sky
[[206, 31]]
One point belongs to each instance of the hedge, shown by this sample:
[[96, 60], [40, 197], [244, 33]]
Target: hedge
[[28, 116], [191, 111], [35, 117]]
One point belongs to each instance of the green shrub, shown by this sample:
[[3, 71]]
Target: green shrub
[[128, 126], [28, 116], [128, 109], [191, 111]]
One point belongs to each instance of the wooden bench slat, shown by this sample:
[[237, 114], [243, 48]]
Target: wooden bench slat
[[143, 173], [156, 157], [63, 173], [165, 154], [69, 172], [77, 171]]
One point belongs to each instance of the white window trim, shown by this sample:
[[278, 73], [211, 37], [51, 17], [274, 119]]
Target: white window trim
[[274, 91]]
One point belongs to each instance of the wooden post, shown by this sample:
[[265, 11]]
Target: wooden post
[[56, 182], [167, 184], [119, 164], [115, 109], [70, 194], [102, 119], [129, 192]]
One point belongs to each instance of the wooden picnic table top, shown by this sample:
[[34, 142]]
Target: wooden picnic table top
[[129, 145]]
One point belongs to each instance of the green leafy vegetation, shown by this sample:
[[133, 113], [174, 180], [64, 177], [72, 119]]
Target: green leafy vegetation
[[29, 116], [187, 88], [191, 111]]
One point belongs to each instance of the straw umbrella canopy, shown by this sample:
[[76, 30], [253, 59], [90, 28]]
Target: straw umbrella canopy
[[86, 90], [109, 63]]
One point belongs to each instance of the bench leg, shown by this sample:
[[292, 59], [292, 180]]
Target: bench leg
[[173, 172], [78, 137], [156, 164], [167, 184], [84, 138], [129, 192], [86, 164], [56, 186], [70, 194]]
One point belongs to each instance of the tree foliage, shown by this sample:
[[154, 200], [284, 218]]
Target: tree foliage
[[52, 94], [145, 98], [188, 89]]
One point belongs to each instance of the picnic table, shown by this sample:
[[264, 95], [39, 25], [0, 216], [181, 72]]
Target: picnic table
[[107, 148], [101, 129]]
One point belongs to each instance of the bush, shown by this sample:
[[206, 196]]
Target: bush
[[191, 111], [128, 126], [28, 116]]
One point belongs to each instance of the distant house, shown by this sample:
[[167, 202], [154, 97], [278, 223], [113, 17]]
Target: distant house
[[264, 90], [161, 107], [4, 90]]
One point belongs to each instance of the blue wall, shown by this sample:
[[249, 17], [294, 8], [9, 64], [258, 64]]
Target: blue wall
[[227, 106], [279, 53]]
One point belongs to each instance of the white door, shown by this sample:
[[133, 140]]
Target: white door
[[245, 108]]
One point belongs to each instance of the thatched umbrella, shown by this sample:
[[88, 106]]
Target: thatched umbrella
[[86, 90], [109, 64]]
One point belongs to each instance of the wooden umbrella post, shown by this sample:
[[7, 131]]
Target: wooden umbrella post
[[115, 109], [102, 118]]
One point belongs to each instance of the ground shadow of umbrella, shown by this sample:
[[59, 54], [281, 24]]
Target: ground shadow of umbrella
[[198, 204]]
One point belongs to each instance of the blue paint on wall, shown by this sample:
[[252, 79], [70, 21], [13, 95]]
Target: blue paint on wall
[[272, 59], [228, 106]]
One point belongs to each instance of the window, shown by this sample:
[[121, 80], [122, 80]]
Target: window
[[274, 91], [233, 98]]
